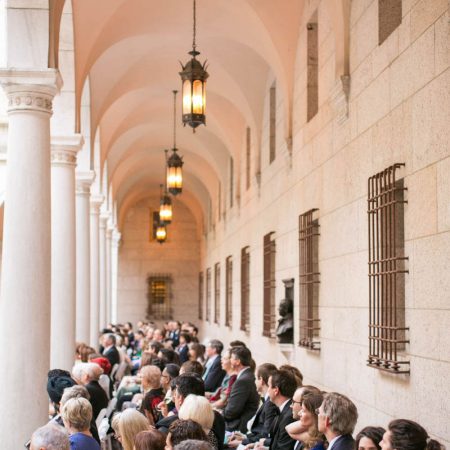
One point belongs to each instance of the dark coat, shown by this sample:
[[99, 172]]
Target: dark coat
[[262, 424], [183, 353], [280, 439], [344, 442], [112, 355], [99, 399], [215, 376], [242, 403]]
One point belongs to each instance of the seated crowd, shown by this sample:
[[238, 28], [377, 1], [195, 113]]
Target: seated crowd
[[159, 389]]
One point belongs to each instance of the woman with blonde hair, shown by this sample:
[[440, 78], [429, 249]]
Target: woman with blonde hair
[[77, 415], [131, 422], [198, 409]]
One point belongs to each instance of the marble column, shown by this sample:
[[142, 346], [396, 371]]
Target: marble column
[[109, 231], [63, 161], [115, 243], [102, 271], [96, 201], [26, 268], [83, 265]]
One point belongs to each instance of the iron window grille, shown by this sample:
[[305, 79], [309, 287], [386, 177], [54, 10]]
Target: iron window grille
[[200, 295], [309, 277], [269, 285], [245, 289], [217, 293], [159, 296], [229, 292], [208, 294], [387, 261]]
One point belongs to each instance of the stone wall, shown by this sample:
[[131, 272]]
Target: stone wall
[[138, 258], [399, 112]]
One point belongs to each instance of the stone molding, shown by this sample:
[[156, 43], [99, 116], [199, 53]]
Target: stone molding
[[64, 149], [116, 238], [96, 202], [84, 182], [104, 217], [30, 90], [339, 98]]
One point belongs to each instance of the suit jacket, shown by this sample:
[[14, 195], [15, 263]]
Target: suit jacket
[[262, 424], [183, 353], [113, 355], [242, 402], [344, 442], [280, 439], [218, 427], [99, 399], [215, 375]]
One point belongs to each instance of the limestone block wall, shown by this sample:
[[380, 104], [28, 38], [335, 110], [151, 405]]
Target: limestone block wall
[[138, 258], [399, 111]]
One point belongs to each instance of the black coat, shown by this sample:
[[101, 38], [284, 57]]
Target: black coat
[[112, 355], [279, 438], [99, 399], [215, 376], [242, 403], [262, 424], [344, 442]]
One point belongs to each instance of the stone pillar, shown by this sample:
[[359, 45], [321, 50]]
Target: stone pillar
[[26, 268], [83, 265], [115, 242], [102, 271], [63, 157], [96, 202], [109, 231]]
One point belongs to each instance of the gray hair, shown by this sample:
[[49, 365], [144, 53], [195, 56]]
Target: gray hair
[[76, 391], [193, 444], [341, 411], [50, 437]]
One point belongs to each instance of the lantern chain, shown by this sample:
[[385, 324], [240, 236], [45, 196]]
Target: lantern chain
[[175, 119], [194, 27]]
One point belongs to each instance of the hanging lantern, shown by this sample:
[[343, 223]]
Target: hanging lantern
[[165, 207], [161, 232], [174, 173], [193, 80]]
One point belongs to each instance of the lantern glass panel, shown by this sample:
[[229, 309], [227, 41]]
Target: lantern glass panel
[[161, 233], [165, 212], [197, 97], [187, 97]]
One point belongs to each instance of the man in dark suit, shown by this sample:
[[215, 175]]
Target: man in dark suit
[[190, 383], [282, 385], [90, 373], [110, 350], [337, 420], [214, 373], [183, 349], [243, 400], [266, 414]]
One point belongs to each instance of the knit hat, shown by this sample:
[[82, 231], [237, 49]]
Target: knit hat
[[56, 386]]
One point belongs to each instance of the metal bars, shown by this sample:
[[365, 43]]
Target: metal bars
[[245, 289], [269, 286], [200, 295], [208, 294], [229, 291], [217, 293], [159, 296], [386, 271], [309, 277]]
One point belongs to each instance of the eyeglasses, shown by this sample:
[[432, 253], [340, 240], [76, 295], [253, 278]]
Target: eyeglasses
[[294, 402]]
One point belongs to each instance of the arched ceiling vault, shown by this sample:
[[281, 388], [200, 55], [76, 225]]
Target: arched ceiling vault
[[130, 50]]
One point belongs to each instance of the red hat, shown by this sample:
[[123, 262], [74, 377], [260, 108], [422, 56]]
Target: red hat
[[103, 363]]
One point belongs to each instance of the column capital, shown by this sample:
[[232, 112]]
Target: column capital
[[30, 90], [84, 181], [64, 149], [116, 238], [104, 217], [96, 202]]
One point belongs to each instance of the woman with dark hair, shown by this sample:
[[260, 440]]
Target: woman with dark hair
[[369, 438], [180, 430], [197, 352], [168, 356], [149, 440], [405, 434]]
